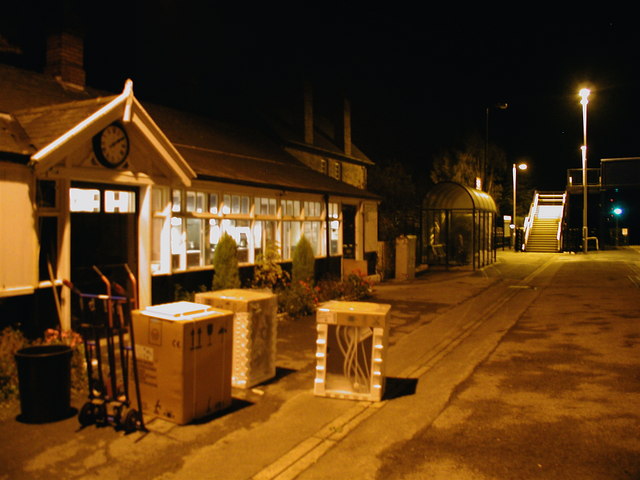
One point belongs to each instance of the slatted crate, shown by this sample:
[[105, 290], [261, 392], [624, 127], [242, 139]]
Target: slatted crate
[[254, 332], [351, 349]]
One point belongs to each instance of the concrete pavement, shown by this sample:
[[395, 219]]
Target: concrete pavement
[[484, 371]]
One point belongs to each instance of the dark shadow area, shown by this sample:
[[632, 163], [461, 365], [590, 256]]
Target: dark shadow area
[[237, 404], [25, 419], [399, 387], [281, 372]]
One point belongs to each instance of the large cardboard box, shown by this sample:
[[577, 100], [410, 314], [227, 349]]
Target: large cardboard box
[[254, 332], [351, 350], [183, 353]]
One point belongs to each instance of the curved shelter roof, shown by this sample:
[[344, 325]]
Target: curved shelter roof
[[454, 196]]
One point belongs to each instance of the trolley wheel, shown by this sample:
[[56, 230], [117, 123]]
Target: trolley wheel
[[87, 414], [132, 421], [117, 414], [101, 414]]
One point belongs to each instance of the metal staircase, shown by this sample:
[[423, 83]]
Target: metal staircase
[[543, 226]]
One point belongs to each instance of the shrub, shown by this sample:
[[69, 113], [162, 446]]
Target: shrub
[[357, 287], [182, 294], [330, 289], [303, 262], [298, 299], [354, 287], [268, 273], [225, 263], [11, 341]]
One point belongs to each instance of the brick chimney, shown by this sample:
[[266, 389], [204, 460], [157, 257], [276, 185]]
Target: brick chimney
[[65, 58], [308, 113]]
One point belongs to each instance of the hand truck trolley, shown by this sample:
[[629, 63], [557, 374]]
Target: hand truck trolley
[[106, 324]]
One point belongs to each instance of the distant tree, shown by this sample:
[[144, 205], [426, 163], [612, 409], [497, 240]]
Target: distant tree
[[462, 164], [399, 211]]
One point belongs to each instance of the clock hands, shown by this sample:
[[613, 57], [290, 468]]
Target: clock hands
[[113, 144]]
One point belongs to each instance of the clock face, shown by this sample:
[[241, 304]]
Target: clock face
[[111, 146]]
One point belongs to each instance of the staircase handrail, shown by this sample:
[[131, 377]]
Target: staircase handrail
[[560, 223], [528, 222]]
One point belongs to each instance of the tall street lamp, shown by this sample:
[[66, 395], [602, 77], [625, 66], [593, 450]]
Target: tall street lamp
[[584, 93], [516, 167], [483, 170]]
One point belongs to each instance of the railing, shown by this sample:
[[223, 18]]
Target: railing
[[528, 221], [559, 234], [574, 177]]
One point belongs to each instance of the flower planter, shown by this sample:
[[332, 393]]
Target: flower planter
[[44, 378]]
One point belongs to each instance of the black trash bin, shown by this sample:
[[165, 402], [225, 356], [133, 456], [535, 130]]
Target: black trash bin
[[44, 379]]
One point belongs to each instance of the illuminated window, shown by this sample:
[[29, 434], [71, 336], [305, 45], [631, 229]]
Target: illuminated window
[[334, 228], [240, 231], [194, 239], [213, 203], [264, 234], [291, 232], [119, 201], [178, 259], [290, 208], [187, 240], [334, 211], [235, 205], [176, 201], [213, 236], [156, 244], [312, 231], [312, 209], [158, 199], [265, 206], [84, 200]]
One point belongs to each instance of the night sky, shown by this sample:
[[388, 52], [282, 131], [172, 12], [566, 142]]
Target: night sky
[[418, 81]]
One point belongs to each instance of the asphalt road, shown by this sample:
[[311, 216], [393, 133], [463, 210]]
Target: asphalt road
[[526, 369]]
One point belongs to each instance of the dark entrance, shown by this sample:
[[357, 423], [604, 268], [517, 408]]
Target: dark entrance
[[104, 233], [348, 231]]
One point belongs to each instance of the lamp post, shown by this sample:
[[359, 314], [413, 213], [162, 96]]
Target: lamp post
[[483, 170], [584, 93], [520, 166]]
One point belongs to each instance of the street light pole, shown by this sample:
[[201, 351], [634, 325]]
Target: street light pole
[[584, 93], [513, 218], [483, 169], [521, 166]]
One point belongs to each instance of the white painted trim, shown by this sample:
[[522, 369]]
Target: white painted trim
[[127, 108]]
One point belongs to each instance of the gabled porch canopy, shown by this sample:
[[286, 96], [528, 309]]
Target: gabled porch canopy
[[71, 131]]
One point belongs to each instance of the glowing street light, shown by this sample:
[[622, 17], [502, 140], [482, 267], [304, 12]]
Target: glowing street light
[[584, 94], [516, 167]]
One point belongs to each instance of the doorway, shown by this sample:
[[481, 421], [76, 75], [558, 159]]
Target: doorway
[[104, 233], [349, 231]]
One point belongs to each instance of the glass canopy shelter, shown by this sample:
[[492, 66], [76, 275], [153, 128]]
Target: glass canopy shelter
[[457, 226]]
